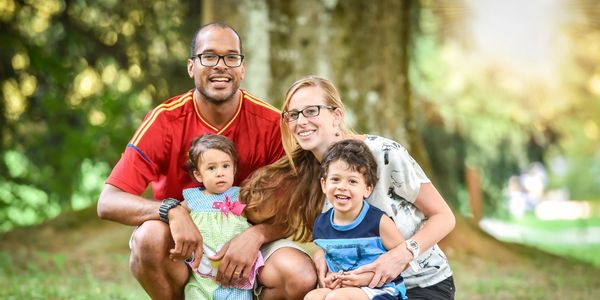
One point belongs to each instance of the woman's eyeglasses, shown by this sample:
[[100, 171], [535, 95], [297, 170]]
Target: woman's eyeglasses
[[310, 111]]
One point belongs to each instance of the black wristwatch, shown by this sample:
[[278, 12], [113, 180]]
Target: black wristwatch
[[165, 206]]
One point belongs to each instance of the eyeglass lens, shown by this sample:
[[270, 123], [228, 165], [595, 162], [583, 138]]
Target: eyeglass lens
[[307, 112], [211, 60]]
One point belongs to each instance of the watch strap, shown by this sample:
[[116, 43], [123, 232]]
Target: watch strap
[[414, 266], [165, 206], [413, 247]]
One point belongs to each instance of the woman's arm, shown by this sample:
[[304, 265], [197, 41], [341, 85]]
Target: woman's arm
[[258, 216], [391, 238], [439, 217], [439, 222]]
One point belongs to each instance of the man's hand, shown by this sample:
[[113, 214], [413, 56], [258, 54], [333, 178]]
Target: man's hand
[[186, 236], [387, 267], [237, 258]]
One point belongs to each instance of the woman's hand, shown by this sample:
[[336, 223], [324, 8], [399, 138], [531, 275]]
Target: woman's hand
[[387, 267]]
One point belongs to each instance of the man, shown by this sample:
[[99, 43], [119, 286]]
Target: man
[[156, 154]]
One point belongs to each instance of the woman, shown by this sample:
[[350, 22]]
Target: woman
[[313, 120]]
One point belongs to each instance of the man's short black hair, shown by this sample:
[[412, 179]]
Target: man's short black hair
[[213, 24]]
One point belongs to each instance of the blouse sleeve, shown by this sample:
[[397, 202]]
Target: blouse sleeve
[[399, 174]]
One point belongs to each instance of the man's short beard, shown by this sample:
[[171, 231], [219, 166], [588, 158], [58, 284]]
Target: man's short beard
[[213, 100]]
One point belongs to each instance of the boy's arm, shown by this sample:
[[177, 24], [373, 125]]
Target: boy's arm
[[397, 254], [327, 279], [390, 236], [319, 260]]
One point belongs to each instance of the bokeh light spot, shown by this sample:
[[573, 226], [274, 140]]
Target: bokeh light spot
[[20, 61]]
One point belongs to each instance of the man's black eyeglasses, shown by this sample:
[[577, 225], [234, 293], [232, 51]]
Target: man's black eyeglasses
[[308, 112], [211, 60]]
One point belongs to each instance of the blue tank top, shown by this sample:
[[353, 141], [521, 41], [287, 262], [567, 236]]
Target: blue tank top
[[350, 246]]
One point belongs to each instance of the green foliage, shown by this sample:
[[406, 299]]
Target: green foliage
[[77, 77], [465, 123], [497, 120]]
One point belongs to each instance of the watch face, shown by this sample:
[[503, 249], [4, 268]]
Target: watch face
[[171, 202], [413, 245], [164, 208]]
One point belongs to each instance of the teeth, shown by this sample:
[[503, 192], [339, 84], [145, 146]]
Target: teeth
[[220, 79], [305, 133]]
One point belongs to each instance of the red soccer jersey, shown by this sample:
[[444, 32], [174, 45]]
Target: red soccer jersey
[[158, 151]]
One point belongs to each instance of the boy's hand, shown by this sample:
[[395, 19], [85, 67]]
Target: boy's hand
[[332, 280], [350, 279]]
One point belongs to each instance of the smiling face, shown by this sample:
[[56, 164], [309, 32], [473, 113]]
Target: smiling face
[[220, 83], [345, 188], [215, 170], [315, 133]]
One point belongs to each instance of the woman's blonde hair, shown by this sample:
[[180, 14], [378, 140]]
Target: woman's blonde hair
[[331, 97], [288, 191], [284, 197]]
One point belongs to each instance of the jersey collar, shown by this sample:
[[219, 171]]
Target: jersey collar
[[215, 129]]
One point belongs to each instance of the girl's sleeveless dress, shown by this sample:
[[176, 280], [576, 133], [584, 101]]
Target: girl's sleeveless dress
[[219, 219]]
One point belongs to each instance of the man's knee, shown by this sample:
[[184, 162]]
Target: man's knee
[[149, 245]]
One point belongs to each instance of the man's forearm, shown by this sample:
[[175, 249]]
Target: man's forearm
[[125, 208]]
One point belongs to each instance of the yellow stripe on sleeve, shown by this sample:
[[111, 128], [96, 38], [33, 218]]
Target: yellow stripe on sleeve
[[159, 109]]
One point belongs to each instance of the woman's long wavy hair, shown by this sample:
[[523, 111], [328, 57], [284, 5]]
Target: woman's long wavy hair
[[289, 190]]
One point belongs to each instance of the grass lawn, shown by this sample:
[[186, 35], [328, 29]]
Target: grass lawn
[[578, 239], [52, 276], [81, 257]]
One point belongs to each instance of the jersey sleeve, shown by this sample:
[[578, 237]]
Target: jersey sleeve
[[275, 149], [141, 161]]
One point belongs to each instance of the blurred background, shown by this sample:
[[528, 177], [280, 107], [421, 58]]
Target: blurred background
[[499, 101]]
